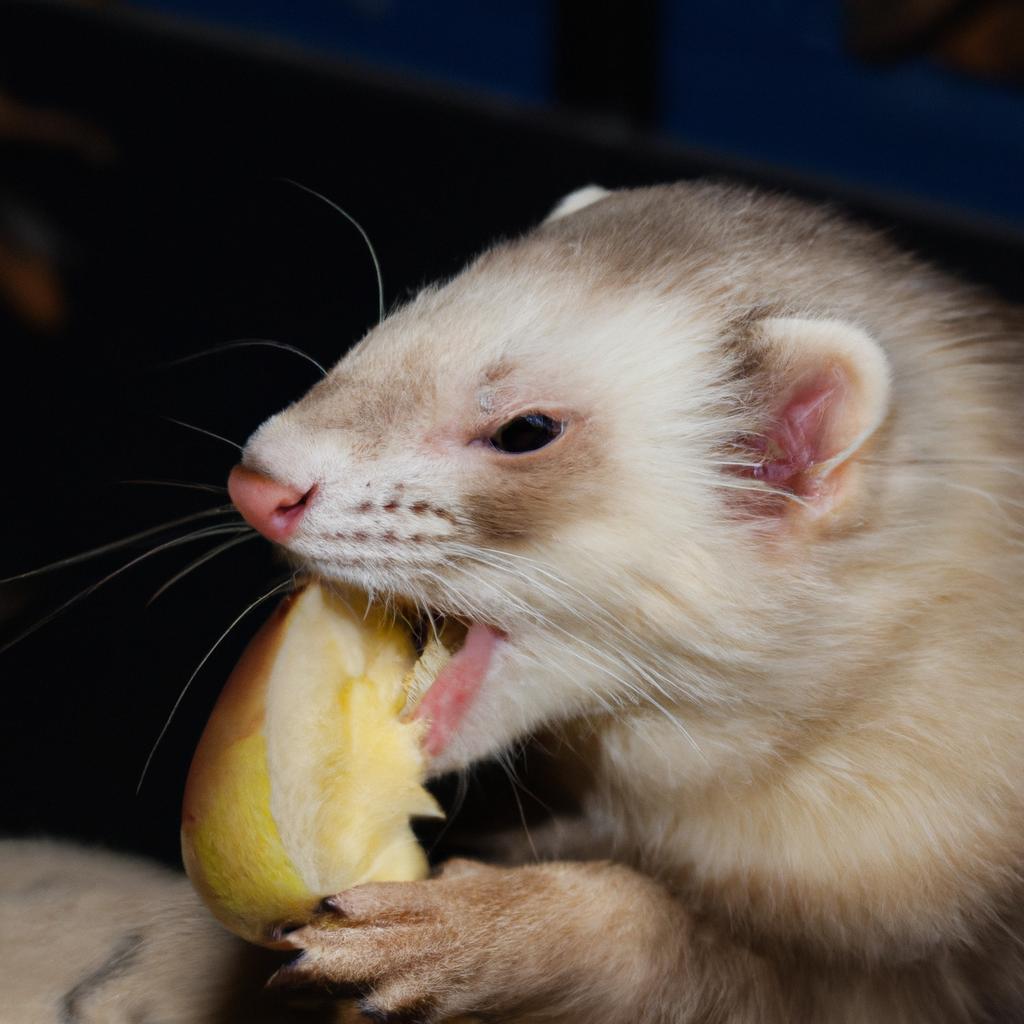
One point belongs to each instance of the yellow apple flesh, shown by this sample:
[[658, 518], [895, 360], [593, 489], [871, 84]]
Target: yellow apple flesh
[[307, 774]]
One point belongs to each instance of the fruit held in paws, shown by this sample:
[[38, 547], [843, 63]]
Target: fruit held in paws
[[307, 774]]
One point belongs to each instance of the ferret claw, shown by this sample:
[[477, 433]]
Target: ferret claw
[[331, 905], [285, 932], [291, 975]]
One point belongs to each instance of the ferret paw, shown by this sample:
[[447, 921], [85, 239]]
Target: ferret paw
[[417, 952]]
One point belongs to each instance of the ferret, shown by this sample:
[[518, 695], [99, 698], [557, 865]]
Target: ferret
[[729, 492]]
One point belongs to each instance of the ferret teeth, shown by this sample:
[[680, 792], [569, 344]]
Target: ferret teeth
[[434, 658], [437, 652]]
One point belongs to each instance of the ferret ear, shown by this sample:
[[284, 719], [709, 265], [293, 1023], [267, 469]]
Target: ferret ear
[[576, 201], [820, 391]]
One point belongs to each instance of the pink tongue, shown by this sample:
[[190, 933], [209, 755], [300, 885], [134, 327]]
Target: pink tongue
[[452, 692]]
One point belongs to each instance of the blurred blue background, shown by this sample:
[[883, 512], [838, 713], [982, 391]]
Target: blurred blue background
[[773, 83]]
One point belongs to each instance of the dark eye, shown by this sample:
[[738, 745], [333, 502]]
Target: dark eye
[[526, 434]]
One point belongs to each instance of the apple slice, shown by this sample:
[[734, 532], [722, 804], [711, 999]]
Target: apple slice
[[310, 769]]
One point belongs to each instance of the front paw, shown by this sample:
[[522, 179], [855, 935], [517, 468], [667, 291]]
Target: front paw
[[420, 951]]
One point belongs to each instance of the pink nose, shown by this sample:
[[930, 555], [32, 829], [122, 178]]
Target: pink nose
[[268, 506]]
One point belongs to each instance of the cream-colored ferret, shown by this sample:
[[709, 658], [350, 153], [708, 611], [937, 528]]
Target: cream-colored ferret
[[731, 493]]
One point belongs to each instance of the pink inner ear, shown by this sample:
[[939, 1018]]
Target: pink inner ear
[[803, 435]]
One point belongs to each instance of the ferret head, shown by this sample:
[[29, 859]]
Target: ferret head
[[601, 444]]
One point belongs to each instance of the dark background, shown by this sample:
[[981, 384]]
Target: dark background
[[143, 218]]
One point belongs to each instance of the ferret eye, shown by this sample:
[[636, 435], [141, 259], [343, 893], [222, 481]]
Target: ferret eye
[[526, 434]]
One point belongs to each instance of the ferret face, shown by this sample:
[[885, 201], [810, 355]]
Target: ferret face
[[542, 448]]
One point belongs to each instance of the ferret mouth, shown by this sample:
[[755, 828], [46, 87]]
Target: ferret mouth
[[454, 657]]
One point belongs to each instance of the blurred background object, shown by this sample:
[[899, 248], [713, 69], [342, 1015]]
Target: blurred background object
[[980, 37], [867, 93], [145, 219]]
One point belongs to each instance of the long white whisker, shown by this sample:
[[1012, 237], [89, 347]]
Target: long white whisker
[[506, 765], [247, 343], [62, 563], [359, 227], [203, 430], [187, 485], [276, 589], [93, 587], [755, 486], [460, 798], [249, 534]]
